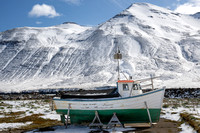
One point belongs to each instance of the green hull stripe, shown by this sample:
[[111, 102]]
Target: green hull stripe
[[110, 99], [125, 115]]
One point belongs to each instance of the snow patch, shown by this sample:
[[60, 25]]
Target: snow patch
[[4, 126], [187, 128]]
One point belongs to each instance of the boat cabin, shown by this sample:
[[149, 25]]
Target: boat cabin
[[125, 88], [128, 88]]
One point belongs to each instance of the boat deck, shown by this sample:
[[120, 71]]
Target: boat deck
[[91, 94]]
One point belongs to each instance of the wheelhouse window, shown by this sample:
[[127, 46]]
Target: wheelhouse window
[[139, 87], [125, 87], [136, 87]]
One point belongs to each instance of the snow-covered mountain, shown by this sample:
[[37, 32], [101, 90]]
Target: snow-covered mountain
[[196, 15], [153, 40]]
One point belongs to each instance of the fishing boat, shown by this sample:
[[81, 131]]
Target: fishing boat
[[125, 103]]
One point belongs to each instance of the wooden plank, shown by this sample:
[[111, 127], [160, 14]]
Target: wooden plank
[[137, 125]]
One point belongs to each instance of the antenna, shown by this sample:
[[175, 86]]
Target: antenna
[[118, 56]]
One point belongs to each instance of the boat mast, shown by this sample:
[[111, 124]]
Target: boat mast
[[118, 56]]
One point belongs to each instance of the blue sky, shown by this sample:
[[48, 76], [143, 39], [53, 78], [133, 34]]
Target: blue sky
[[43, 13]]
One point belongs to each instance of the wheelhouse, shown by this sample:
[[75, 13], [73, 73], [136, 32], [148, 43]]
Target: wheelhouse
[[128, 88]]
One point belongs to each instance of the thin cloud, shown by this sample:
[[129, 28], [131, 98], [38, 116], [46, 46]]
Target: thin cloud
[[118, 3], [190, 7], [43, 10], [75, 2], [38, 22], [121, 4]]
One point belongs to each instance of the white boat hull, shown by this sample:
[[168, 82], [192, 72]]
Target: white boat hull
[[128, 109]]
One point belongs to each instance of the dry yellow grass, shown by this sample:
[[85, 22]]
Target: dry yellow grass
[[37, 121], [193, 121]]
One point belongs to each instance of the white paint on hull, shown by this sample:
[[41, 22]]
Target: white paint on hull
[[154, 100]]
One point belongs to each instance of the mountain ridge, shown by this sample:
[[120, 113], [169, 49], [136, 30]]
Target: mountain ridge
[[152, 39]]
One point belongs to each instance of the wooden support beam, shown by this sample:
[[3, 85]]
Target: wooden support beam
[[114, 121], [96, 121]]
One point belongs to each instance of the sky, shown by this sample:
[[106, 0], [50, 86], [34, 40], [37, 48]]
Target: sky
[[44, 13]]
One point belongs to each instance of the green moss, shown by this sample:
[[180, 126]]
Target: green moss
[[174, 112], [175, 106], [3, 104], [165, 105], [47, 100]]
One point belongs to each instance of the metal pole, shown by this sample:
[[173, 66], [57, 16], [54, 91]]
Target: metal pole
[[152, 82], [68, 114], [118, 70], [118, 56], [148, 113]]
